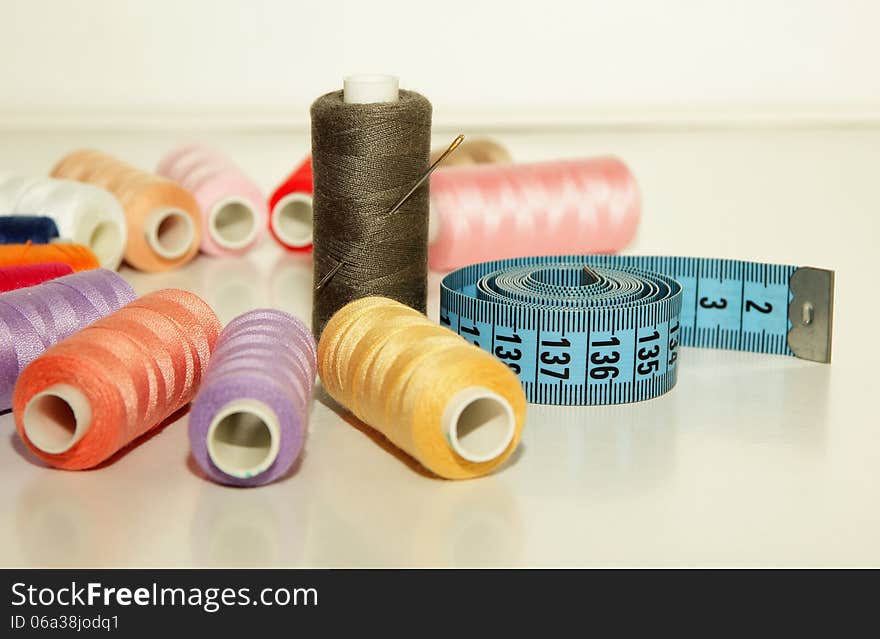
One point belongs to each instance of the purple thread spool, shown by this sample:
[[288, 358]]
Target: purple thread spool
[[248, 422], [34, 318]]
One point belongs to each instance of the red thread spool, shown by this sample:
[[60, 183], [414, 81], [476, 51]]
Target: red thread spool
[[15, 277], [95, 392], [290, 209]]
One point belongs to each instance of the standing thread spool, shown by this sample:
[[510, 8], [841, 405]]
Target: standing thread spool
[[78, 257], [164, 222], [16, 277], [33, 319], [92, 394], [27, 228], [454, 408], [250, 417], [291, 209], [370, 145], [233, 207], [84, 214], [493, 212]]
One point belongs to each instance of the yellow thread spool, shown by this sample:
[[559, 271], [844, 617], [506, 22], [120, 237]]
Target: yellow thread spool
[[451, 406]]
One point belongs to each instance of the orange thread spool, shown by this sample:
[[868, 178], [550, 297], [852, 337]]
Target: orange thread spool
[[164, 222], [77, 256], [92, 394]]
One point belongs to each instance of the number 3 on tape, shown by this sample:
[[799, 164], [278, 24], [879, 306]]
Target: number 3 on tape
[[607, 329]]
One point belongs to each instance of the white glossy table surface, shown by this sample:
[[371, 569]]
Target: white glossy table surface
[[750, 460]]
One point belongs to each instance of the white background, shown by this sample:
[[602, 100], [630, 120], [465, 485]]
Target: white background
[[106, 63]]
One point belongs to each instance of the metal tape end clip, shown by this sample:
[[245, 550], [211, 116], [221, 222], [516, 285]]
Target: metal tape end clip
[[811, 312]]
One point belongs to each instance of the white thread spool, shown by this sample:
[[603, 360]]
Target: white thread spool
[[478, 424], [84, 213], [244, 438], [370, 88]]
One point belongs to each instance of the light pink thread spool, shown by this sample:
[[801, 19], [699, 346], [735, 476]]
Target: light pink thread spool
[[498, 211], [233, 207]]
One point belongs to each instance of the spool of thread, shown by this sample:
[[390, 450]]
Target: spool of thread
[[89, 396], [290, 209], [33, 319], [370, 146], [27, 228], [164, 222], [233, 208], [16, 277], [492, 212], [474, 151], [249, 420], [454, 408], [84, 214], [78, 257], [290, 217]]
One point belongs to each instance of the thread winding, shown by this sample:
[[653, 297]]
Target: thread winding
[[78, 257], [33, 319], [83, 213], [15, 277], [454, 408], [249, 420], [163, 218], [365, 157], [27, 228], [233, 208], [291, 209], [95, 392], [500, 211]]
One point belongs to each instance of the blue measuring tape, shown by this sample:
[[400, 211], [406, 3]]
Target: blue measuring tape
[[606, 329]]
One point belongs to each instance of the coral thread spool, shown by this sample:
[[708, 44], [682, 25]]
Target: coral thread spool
[[95, 392], [249, 420], [16, 277], [233, 207], [164, 221], [290, 209], [448, 404]]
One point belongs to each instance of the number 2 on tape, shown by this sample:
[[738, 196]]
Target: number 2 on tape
[[607, 329]]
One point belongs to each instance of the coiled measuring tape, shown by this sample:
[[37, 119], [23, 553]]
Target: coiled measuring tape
[[585, 330]]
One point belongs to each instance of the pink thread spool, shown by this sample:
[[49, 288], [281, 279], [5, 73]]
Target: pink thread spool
[[233, 208], [498, 211]]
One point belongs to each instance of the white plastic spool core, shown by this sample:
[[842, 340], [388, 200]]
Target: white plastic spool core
[[57, 418], [369, 88], [244, 438], [292, 220], [105, 241], [478, 424], [232, 223], [169, 232]]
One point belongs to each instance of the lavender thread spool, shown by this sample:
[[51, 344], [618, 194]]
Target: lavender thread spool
[[248, 422], [34, 318]]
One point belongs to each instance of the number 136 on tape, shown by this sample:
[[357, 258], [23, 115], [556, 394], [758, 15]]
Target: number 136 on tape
[[607, 329]]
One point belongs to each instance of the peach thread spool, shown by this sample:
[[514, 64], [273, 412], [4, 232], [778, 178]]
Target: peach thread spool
[[164, 222], [78, 257], [453, 407], [234, 211], [97, 391]]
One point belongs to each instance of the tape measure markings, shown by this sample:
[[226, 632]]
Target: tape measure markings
[[606, 329]]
